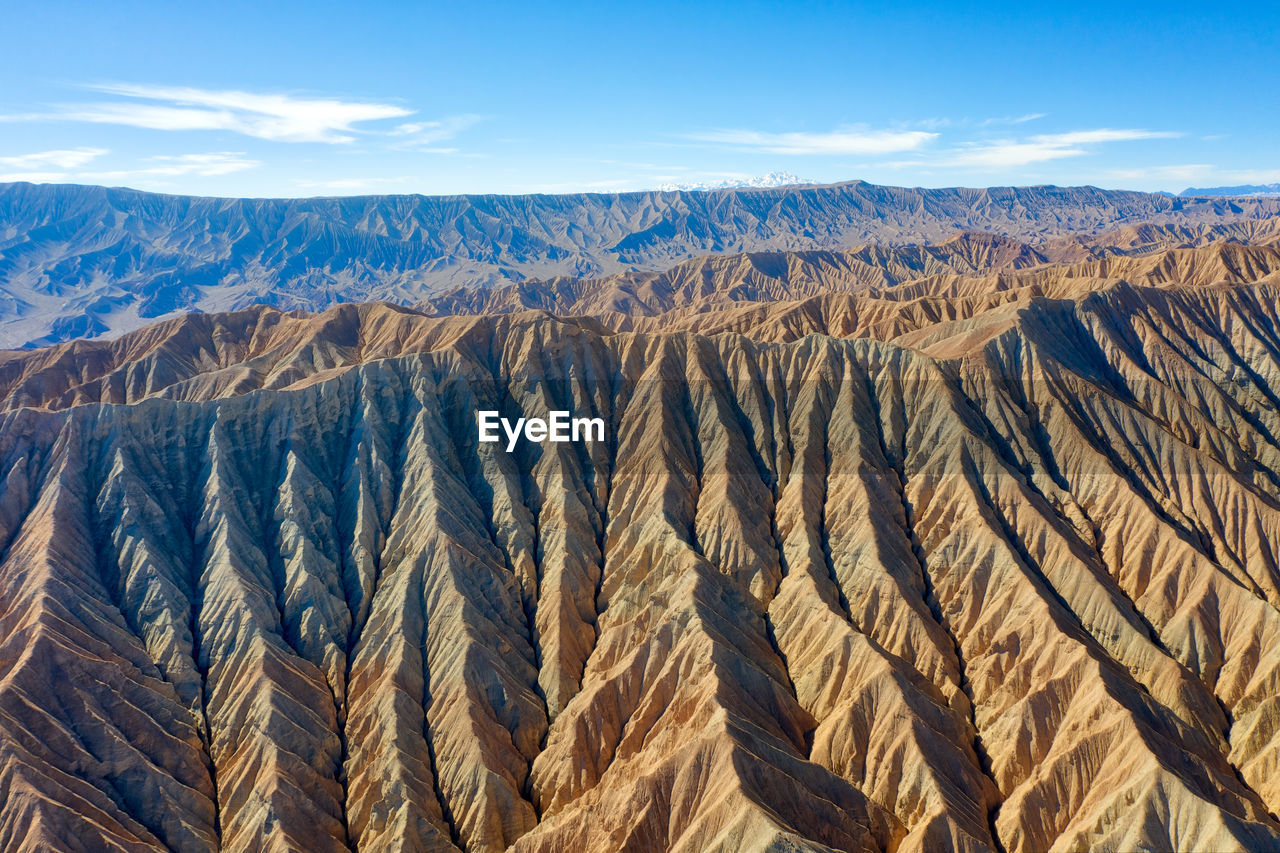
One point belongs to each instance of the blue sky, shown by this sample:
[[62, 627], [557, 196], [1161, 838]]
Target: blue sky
[[281, 99]]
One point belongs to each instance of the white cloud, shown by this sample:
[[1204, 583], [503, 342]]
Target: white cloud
[[842, 141], [67, 158], [148, 170], [1022, 119], [280, 118], [1087, 137], [1197, 174], [1183, 172], [1006, 154], [617, 184], [199, 165], [423, 135], [32, 177], [1009, 153], [345, 185]]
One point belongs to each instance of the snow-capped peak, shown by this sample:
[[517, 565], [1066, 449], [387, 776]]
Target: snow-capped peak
[[773, 179]]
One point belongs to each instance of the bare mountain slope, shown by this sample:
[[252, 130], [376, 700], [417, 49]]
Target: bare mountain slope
[[80, 261], [1001, 577]]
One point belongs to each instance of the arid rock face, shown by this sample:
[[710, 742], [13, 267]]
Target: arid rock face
[[990, 563]]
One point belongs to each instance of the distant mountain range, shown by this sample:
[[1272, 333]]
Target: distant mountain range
[[84, 261], [773, 179], [1243, 189]]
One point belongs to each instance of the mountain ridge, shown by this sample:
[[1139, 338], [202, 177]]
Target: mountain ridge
[[1239, 190], [87, 261]]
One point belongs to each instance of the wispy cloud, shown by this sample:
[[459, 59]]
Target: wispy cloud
[[1183, 172], [348, 185], [46, 166], [1041, 148], [1087, 137], [206, 165], [1199, 174], [65, 166], [276, 117], [840, 141], [1022, 119], [63, 158], [425, 136]]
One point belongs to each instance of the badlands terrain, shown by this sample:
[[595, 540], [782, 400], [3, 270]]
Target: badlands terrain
[[949, 542]]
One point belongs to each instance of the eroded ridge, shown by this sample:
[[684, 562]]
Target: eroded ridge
[[1006, 581]]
